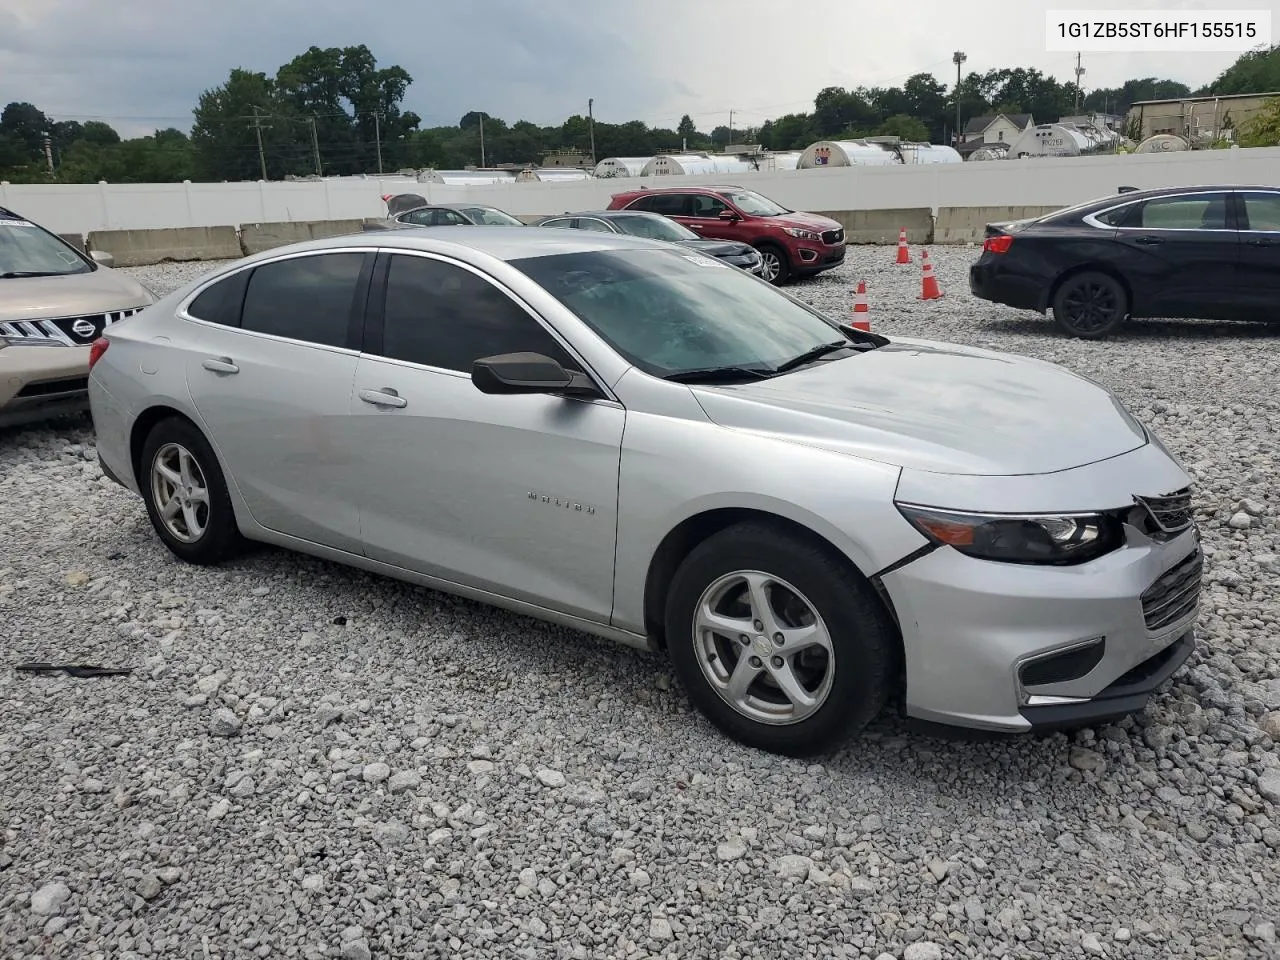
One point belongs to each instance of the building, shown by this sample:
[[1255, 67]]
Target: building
[[1195, 119], [998, 130], [565, 158], [1102, 121]]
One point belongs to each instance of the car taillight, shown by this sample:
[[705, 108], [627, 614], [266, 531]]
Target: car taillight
[[998, 244], [97, 349]]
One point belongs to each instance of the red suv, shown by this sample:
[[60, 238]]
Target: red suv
[[792, 244]]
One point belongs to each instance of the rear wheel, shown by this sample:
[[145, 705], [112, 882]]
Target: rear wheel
[[185, 494], [783, 646], [1090, 305], [774, 266]]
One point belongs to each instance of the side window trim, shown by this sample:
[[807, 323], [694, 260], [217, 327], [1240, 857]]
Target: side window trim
[[355, 322], [1242, 210], [1231, 222], [607, 227], [378, 311]]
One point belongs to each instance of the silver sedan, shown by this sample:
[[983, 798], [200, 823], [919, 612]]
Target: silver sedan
[[633, 439]]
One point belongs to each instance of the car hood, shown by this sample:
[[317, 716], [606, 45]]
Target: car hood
[[808, 221], [39, 298], [936, 407], [719, 248]]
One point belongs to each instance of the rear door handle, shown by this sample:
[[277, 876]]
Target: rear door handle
[[220, 365], [383, 398], [1149, 241]]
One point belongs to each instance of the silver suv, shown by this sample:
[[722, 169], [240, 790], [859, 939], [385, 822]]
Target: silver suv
[[638, 441]]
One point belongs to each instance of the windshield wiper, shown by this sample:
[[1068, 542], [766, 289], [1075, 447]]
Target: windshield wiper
[[815, 354], [709, 374], [15, 274]]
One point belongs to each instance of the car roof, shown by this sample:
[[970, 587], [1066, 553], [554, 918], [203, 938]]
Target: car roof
[[502, 243], [1114, 199], [709, 187], [613, 214], [460, 205]]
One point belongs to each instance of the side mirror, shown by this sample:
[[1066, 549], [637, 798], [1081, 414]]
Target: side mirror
[[528, 373], [728, 215], [103, 258]]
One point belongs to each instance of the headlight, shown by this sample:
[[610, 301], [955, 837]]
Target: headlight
[[1054, 540], [801, 234]]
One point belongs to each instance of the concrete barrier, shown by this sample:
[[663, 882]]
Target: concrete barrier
[[968, 224], [135, 248], [256, 237], [882, 226], [75, 239]]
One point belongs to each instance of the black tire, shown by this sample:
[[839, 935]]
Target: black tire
[[1090, 305], [773, 253], [863, 637], [220, 537]]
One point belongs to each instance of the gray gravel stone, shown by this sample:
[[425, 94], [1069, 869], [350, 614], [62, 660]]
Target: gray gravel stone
[[922, 951], [551, 778], [50, 899], [793, 867], [375, 773], [224, 723], [735, 848]]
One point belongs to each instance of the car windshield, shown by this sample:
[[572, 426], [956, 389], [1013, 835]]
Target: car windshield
[[671, 312], [751, 203], [655, 228], [28, 251], [491, 217]]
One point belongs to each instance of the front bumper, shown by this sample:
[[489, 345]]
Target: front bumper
[[809, 257], [1104, 634], [37, 383]]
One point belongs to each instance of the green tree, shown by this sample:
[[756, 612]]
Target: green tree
[[223, 136], [903, 127], [1257, 71], [25, 126], [687, 129], [1263, 128]]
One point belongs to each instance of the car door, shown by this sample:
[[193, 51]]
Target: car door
[[271, 355], [677, 206], [1259, 283], [704, 219], [515, 495], [1180, 254]]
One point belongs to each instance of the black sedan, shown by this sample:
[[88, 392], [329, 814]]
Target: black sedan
[[412, 210], [1210, 253], [657, 227]]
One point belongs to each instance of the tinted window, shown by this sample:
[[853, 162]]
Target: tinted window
[[561, 223], [221, 302], [1205, 212], [421, 218], [590, 223], [1121, 216], [1263, 211], [441, 315], [305, 298], [667, 204]]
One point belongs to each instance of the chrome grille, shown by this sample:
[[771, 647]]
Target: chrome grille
[[833, 236], [1175, 595], [1170, 512], [78, 331]]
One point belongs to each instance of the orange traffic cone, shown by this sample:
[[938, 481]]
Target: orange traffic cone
[[861, 313], [929, 289], [904, 255]]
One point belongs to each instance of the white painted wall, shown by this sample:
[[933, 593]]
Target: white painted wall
[[1034, 182]]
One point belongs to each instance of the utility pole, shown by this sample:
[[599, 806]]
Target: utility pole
[[730, 143], [958, 58], [591, 126], [481, 139], [315, 145], [48, 152], [1079, 74], [257, 126], [377, 136]]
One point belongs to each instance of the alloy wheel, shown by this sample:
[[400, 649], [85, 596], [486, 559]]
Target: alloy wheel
[[1090, 307], [180, 492], [763, 647]]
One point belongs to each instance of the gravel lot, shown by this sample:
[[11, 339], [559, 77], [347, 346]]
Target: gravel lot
[[312, 762]]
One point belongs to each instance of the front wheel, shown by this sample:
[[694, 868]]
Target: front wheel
[[1090, 305], [773, 264], [783, 646]]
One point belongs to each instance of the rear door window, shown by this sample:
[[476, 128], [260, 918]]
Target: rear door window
[[1262, 211], [1200, 212], [311, 298], [221, 302], [667, 204]]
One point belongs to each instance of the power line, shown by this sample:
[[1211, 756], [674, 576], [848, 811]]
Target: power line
[[257, 127]]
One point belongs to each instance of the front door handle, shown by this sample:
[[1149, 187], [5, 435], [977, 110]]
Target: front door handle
[[1149, 241], [219, 365], [385, 397]]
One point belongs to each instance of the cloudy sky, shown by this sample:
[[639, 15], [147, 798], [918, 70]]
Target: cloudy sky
[[141, 64]]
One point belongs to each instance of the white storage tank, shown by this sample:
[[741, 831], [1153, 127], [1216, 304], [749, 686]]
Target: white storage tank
[[621, 166], [784, 160], [929, 153], [1050, 140], [992, 152], [552, 175], [692, 164], [1162, 143], [846, 153], [468, 178]]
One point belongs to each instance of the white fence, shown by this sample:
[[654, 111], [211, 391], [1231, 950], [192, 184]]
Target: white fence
[[1031, 182]]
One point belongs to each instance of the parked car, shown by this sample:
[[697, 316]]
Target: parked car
[[604, 432], [404, 211], [1211, 253], [657, 227], [54, 302], [791, 244]]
